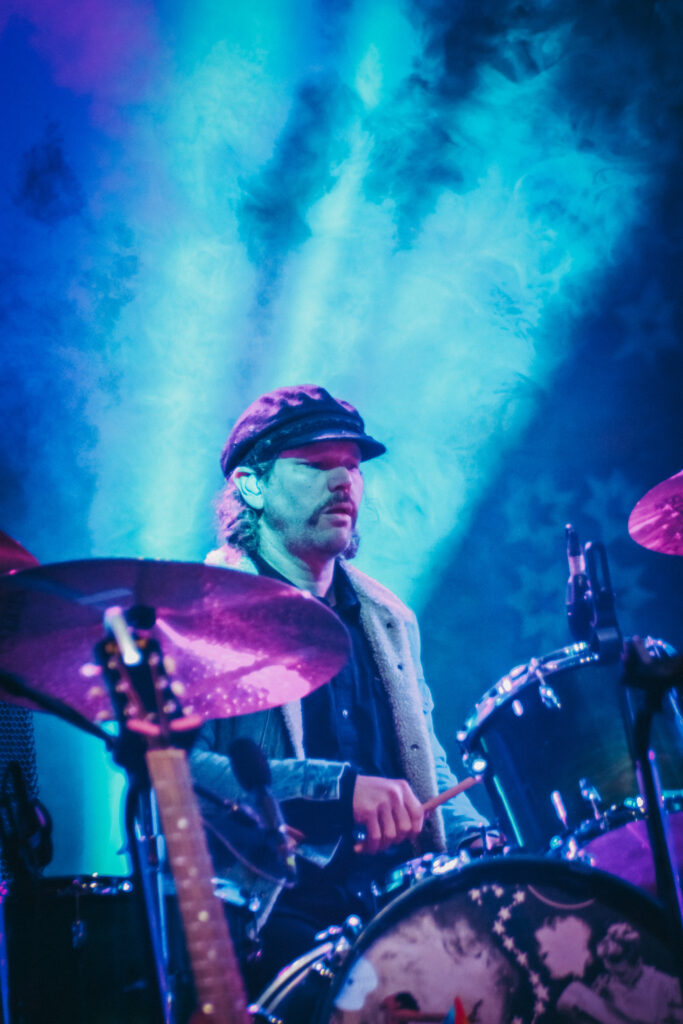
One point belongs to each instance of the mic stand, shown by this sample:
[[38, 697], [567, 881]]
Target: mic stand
[[642, 692]]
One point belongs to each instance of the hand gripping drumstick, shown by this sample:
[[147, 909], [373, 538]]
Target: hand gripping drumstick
[[427, 807], [430, 805]]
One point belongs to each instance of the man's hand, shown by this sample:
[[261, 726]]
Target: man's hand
[[388, 810]]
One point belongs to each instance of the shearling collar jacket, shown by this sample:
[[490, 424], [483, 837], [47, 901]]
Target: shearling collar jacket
[[392, 631]]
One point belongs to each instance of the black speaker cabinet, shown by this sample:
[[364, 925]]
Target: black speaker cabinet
[[76, 953]]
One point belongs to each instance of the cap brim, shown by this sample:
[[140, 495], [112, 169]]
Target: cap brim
[[369, 447]]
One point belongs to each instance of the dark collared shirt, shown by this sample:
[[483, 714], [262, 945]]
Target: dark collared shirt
[[349, 718]]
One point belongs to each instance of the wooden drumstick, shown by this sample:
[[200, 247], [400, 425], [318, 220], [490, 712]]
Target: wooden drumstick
[[430, 805]]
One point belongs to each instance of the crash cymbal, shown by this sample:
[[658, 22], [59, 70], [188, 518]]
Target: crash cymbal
[[238, 642], [656, 522], [13, 556]]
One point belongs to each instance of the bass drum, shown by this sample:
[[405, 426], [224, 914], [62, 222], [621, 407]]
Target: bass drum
[[510, 940]]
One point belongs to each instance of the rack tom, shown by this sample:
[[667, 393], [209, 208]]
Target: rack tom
[[550, 739]]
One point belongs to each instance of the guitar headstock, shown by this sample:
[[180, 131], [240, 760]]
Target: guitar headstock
[[147, 699]]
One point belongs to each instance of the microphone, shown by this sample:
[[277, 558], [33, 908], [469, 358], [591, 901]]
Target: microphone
[[579, 601], [252, 771], [254, 833]]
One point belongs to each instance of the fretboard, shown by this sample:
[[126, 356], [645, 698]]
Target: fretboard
[[218, 982]]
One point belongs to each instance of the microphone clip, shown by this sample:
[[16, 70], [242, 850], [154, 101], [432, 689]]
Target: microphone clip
[[606, 637]]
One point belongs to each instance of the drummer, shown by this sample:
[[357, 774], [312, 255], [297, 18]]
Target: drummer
[[353, 761]]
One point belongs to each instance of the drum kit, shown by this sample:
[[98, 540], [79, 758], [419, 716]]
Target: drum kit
[[577, 918]]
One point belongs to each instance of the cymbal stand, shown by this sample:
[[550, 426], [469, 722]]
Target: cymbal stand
[[642, 695]]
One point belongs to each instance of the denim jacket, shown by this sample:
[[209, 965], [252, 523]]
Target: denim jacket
[[393, 634]]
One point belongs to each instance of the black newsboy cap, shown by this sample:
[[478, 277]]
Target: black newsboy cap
[[292, 416]]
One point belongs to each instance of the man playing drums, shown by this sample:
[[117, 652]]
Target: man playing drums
[[353, 761]]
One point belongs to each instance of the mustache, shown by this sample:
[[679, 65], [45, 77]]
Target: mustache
[[341, 503]]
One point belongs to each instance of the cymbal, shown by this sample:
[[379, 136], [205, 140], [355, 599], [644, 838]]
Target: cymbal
[[656, 522], [13, 556], [238, 642]]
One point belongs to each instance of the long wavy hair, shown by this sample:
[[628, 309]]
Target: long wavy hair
[[238, 522]]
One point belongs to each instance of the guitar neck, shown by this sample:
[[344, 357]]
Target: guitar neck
[[218, 982]]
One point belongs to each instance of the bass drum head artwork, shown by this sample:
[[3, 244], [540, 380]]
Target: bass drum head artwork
[[516, 940]]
